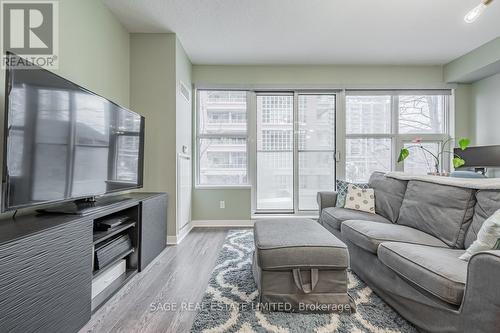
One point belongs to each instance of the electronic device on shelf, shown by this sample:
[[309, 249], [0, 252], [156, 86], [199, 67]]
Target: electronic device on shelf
[[110, 223], [112, 249]]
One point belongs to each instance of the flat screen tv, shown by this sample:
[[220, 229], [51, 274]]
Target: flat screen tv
[[63, 142], [480, 156]]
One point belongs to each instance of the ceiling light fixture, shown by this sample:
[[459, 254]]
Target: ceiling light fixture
[[476, 11]]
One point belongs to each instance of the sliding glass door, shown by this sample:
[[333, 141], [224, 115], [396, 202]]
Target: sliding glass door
[[316, 147], [295, 150], [275, 152]]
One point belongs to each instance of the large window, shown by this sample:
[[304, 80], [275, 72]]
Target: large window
[[284, 143], [222, 138], [379, 124]]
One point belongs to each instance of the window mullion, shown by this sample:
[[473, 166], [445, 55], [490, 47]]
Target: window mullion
[[340, 135], [397, 143], [295, 119]]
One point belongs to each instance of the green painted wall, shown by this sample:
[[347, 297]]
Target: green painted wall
[[93, 51], [158, 63], [238, 201], [475, 65], [464, 112], [341, 76], [152, 94], [486, 105], [206, 204]]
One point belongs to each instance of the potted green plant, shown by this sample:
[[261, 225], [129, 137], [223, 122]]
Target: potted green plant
[[463, 143]]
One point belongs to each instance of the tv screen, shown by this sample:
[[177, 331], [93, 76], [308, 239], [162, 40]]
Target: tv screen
[[480, 156], [64, 142]]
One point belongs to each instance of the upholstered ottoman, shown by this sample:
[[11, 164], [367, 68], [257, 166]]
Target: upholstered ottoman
[[299, 266]]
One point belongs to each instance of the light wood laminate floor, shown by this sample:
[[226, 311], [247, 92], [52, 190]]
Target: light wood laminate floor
[[177, 278]]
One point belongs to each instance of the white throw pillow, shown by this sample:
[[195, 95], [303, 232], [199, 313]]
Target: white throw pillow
[[362, 199], [487, 237]]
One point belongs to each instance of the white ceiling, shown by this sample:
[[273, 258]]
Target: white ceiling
[[314, 31]]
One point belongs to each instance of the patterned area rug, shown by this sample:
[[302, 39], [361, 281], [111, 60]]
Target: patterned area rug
[[230, 302]]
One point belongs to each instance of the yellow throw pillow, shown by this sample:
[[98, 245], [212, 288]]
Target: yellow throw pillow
[[362, 199]]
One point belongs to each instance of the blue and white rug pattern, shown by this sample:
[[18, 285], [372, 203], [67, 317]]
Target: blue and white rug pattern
[[230, 302]]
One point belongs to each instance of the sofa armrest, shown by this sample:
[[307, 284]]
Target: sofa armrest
[[481, 304], [326, 199]]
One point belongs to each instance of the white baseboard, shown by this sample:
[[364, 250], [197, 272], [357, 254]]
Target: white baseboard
[[174, 240], [222, 223], [184, 232], [171, 240], [283, 216]]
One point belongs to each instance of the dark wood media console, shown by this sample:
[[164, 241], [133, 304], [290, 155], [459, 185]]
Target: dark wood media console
[[47, 262]]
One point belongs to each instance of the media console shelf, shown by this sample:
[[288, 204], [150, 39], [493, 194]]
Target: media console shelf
[[126, 259], [47, 262]]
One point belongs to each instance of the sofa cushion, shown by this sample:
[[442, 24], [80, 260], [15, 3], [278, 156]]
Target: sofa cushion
[[301, 243], [436, 270], [389, 194], [440, 210], [368, 235], [332, 217], [488, 202]]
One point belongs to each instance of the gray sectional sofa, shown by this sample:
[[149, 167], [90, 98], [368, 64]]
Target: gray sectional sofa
[[408, 252]]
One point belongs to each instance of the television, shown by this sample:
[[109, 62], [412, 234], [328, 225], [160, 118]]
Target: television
[[63, 142], [480, 156]]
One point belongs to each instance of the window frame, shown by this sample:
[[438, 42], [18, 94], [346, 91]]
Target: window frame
[[199, 137]]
